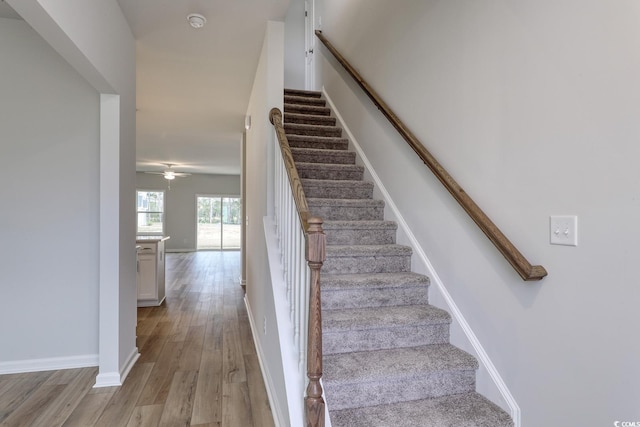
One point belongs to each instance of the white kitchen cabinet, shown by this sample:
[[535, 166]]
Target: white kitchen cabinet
[[151, 271]]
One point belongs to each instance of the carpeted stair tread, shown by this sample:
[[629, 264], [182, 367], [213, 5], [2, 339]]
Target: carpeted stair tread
[[309, 119], [318, 142], [307, 109], [360, 232], [362, 225], [346, 209], [383, 317], [378, 280], [395, 364], [366, 259], [303, 93], [341, 291], [304, 100], [329, 171], [367, 250], [312, 130], [466, 409], [315, 155], [327, 188], [377, 328], [348, 203], [369, 378]]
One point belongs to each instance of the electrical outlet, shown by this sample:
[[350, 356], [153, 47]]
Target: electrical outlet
[[563, 230]]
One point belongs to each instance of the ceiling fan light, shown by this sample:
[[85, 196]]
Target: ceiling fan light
[[196, 20], [169, 176]]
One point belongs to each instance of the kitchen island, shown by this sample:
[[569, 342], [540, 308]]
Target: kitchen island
[[151, 270]]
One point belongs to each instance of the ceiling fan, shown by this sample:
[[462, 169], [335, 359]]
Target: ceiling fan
[[169, 174]]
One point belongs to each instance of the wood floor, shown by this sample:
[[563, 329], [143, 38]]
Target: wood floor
[[198, 365]]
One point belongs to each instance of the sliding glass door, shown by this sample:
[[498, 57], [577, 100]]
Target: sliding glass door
[[218, 223]]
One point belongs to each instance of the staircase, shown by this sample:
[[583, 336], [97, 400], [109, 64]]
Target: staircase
[[387, 357]]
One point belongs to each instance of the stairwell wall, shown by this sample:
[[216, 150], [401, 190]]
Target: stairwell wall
[[532, 107]]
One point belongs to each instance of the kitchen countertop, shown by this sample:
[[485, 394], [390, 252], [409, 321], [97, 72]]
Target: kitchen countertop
[[151, 239]]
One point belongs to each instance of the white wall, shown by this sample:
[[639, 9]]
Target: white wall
[[94, 38], [180, 202], [267, 92], [294, 55], [533, 107], [49, 116]]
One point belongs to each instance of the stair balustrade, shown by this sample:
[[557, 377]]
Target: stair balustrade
[[302, 248], [527, 271]]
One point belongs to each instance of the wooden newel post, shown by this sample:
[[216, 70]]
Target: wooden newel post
[[315, 255]]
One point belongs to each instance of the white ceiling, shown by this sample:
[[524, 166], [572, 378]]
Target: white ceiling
[[193, 86]]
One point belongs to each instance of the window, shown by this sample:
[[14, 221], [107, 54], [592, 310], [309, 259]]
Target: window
[[218, 222], [150, 212]]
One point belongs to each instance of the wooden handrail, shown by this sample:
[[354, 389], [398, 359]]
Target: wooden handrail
[[315, 254], [509, 251]]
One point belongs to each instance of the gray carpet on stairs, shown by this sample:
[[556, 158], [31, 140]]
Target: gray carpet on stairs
[[387, 357]]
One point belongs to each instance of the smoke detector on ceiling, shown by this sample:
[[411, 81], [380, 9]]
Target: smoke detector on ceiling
[[196, 20]]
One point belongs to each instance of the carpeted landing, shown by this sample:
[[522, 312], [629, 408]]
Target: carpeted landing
[[387, 356]]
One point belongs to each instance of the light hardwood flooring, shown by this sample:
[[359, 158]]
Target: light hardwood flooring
[[198, 364]]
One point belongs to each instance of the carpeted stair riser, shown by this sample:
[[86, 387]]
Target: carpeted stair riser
[[301, 100], [333, 189], [346, 209], [379, 377], [367, 259], [377, 328], [387, 390], [330, 171], [311, 155], [307, 109], [373, 290], [318, 142], [469, 409], [312, 130], [303, 93], [360, 232], [308, 119], [387, 357]]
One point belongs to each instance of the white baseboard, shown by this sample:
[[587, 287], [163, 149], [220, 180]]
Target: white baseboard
[[116, 379], [480, 353], [49, 364], [276, 409]]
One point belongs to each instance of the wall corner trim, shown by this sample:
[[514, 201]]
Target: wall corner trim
[[116, 379]]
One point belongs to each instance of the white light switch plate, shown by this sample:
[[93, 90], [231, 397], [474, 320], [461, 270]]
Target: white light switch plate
[[563, 230]]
